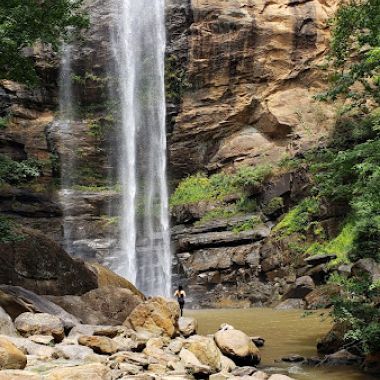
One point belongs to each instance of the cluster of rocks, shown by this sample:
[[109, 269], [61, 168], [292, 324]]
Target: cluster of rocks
[[152, 343], [225, 267]]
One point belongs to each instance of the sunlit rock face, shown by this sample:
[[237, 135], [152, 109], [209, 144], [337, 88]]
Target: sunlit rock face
[[252, 68]]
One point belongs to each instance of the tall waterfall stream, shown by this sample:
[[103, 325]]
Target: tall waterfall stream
[[137, 35]]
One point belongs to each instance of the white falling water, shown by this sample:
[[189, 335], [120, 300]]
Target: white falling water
[[138, 41], [64, 124]]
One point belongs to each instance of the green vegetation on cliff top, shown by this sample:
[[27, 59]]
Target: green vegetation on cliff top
[[23, 23], [199, 187]]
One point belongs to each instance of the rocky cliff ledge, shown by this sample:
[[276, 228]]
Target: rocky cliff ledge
[[244, 76]]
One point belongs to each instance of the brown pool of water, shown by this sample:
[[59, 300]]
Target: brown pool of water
[[285, 333]]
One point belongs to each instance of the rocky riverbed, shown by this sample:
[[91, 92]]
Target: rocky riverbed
[[152, 343]]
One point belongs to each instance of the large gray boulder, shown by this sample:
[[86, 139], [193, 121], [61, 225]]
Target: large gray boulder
[[238, 346], [16, 300], [28, 324]]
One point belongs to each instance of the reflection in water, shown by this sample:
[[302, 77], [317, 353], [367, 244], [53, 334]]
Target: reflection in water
[[285, 332]]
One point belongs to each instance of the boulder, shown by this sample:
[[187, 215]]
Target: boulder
[[19, 375], [158, 315], [258, 341], [280, 377], [94, 371], [320, 259], [30, 348], [74, 352], [334, 339], [260, 375], [320, 297], [175, 346], [6, 325], [244, 371], [17, 300], [10, 356], [342, 357], [193, 364], [368, 267], [206, 351], [105, 305], [228, 364], [107, 278], [238, 346], [303, 286], [39, 264], [290, 304], [100, 344], [28, 324], [187, 326], [82, 310]]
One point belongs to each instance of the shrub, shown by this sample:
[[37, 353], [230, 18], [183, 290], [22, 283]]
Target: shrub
[[15, 172], [200, 187], [248, 225], [298, 218], [7, 231]]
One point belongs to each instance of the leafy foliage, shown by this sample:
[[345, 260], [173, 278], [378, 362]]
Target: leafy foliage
[[356, 308], [248, 225], [26, 22], [15, 172], [347, 173], [200, 187], [298, 219], [355, 52], [7, 231]]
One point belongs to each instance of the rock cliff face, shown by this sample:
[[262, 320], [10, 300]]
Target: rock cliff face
[[240, 79], [252, 68]]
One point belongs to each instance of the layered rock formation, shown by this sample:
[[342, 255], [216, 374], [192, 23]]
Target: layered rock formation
[[240, 80], [251, 71]]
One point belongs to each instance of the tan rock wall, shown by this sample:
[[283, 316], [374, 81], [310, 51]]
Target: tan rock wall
[[253, 68]]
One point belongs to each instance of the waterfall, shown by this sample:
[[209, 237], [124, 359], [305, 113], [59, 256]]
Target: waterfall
[[64, 124], [138, 42]]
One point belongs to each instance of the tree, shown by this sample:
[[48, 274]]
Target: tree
[[24, 23], [355, 53]]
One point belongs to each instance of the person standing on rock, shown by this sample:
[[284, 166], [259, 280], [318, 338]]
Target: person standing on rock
[[180, 294]]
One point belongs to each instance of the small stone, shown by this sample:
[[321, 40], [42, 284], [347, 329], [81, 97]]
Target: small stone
[[45, 340], [100, 344], [293, 359], [10, 356], [175, 346], [243, 371], [6, 325], [129, 369], [193, 364], [109, 331], [187, 326], [258, 341], [260, 375], [95, 371], [219, 376]]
